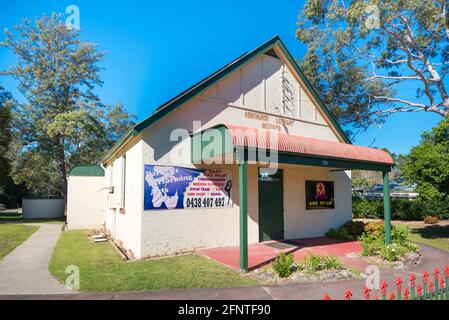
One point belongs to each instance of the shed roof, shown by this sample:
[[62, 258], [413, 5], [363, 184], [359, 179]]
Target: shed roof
[[87, 171]]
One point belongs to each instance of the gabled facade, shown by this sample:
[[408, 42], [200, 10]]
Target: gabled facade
[[152, 209]]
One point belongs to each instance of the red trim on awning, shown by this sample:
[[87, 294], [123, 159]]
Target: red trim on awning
[[258, 138]]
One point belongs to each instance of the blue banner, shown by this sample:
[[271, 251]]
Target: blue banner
[[168, 188]]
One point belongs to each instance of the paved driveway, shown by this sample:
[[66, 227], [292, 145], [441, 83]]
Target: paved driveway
[[25, 270]]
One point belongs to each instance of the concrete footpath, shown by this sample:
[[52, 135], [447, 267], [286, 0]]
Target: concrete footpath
[[25, 269], [433, 258]]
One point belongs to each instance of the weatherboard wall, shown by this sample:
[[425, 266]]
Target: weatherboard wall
[[253, 88]]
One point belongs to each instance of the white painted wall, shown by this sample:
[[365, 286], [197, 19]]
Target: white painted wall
[[254, 87], [123, 221], [85, 209], [302, 223]]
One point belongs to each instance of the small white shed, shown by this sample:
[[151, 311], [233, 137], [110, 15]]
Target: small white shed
[[85, 207]]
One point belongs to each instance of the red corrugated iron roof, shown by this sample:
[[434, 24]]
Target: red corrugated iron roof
[[258, 138]]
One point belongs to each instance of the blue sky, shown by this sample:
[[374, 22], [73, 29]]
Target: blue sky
[[156, 49]]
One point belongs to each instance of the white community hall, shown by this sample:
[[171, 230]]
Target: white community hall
[[247, 155]]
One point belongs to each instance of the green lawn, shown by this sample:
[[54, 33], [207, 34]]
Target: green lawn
[[432, 235], [12, 235], [102, 269], [16, 217]]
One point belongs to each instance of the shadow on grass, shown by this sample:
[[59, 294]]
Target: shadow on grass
[[432, 232], [6, 217]]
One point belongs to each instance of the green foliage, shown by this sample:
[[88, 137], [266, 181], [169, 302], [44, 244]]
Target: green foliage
[[359, 52], [341, 234], [351, 230], [402, 209], [313, 264], [391, 252], [5, 136], [371, 245], [428, 164], [283, 265], [63, 122], [373, 242], [331, 263]]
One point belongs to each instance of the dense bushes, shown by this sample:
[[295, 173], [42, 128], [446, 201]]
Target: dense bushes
[[351, 230], [312, 264], [372, 237], [373, 242], [401, 209], [283, 265]]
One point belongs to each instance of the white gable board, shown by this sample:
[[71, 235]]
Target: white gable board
[[266, 84]]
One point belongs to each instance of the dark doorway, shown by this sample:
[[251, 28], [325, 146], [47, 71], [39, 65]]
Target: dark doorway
[[271, 205]]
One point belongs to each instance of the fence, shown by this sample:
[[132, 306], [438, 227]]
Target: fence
[[51, 208], [430, 289]]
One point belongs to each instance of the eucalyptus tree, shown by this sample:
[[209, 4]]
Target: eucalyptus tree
[[5, 135], [363, 56]]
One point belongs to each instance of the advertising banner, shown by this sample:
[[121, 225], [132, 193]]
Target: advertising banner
[[320, 195], [168, 188]]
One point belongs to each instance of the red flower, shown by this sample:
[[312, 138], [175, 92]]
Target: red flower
[[446, 271], [436, 274], [431, 286], [399, 283], [406, 294], [366, 293], [392, 296], [348, 294], [412, 279], [442, 284], [419, 290], [326, 297], [425, 276], [383, 287]]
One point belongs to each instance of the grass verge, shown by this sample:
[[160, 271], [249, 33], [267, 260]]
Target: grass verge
[[11, 236], [432, 235], [102, 269]]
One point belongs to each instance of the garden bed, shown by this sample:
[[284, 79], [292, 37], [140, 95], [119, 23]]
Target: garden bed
[[402, 253], [409, 260], [311, 269], [270, 277]]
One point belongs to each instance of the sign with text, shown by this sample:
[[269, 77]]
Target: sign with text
[[320, 195], [168, 188]]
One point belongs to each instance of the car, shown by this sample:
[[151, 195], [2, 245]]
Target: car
[[2, 207]]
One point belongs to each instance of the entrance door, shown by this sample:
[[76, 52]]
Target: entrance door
[[271, 205]]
